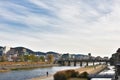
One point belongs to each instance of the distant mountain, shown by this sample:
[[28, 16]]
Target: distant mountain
[[51, 52], [20, 50], [55, 54], [23, 50], [40, 53], [80, 55]]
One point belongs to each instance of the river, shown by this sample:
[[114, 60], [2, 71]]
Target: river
[[32, 73], [28, 74]]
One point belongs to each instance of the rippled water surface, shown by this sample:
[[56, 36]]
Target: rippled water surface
[[110, 71], [28, 74]]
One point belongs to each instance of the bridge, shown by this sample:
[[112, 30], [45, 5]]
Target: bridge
[[80, 61]]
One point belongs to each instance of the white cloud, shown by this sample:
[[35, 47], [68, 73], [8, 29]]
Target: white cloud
[[75, 26]]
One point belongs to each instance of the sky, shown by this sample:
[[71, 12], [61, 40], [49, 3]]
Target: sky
[[64, 26]]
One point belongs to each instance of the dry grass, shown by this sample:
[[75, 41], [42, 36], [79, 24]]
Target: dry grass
[[20, 63]]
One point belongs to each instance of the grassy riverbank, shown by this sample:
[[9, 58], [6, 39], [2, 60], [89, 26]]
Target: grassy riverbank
[[8, 66], [4, 71]]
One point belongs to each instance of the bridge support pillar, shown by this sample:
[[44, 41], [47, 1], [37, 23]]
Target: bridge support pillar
[[89, 79], [87, 63], [74, 63], [69, 63], [106, 63], [93, 63], [63, 63], [99, 63], [81, 63]]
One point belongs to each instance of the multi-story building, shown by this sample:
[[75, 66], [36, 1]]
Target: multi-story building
[[116, 62], [66, 56], [1, 51], [6, 49]]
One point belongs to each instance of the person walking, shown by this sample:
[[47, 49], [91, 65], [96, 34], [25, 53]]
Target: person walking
[[47, 73]]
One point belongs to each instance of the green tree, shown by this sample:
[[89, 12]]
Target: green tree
[[20, 57], [50, 58], [42, 58], [32, 57], [26, 57], [3, 58]]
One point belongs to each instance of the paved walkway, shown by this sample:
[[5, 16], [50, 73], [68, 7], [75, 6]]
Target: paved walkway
[[48, 78]]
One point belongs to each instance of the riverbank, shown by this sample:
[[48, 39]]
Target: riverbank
[[8, 66], [1, 71]]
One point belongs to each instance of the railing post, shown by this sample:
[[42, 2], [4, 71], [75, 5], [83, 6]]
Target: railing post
[[63, 63], [87, 63], [106, 63], [89, 79], [93, 63]]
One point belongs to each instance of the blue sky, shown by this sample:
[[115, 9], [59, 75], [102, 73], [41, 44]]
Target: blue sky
[[74, 26]]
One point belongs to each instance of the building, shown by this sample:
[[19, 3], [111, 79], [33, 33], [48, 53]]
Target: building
[[115, 60], [66, 56], [105, 58], [1, 51], [81, 56], [6, 49]]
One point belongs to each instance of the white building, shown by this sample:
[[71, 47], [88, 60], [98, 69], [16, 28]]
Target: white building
[[6, 49]]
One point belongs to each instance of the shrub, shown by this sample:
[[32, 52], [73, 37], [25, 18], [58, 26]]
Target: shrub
[[74, 73], [83, 75], [60, 76], [64, 75]]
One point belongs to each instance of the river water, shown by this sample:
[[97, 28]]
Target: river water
[[32, 73], [110, 71], [28, 74]]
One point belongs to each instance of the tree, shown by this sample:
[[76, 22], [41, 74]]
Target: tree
[[3, 58], [21, 58], [42, 58], [50, 58], [32, 57]]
